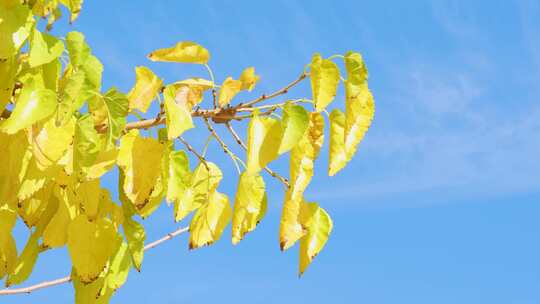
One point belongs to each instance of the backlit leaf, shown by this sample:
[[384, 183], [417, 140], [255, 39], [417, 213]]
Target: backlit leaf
[[229, 88], [318, 225], [179, 175], [74, 7], [49, 142], [324, 76], [8, 249], [78, 49], [249, 79], [8, 69], [209, 221], [25, 262], [177, 111], [295, 123], [34, 104], [119, 268], [44, 48], [15, 26], [338, 156], [86, 145], [185, 52], [249, 205], [264, 138], [55, 234], [147, 86], [135, 236]]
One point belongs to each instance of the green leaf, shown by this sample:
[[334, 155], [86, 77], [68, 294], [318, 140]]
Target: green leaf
[[15, 26], [295, 123], [147, 87], [44, 48], [119, 268], [135, 235], [184, 51], [33, 105], [324, 76], [318, 225], [249, 205], [8, 249], [177, 111], [78, 49], [71, 97], [116, 107], [210, 221]]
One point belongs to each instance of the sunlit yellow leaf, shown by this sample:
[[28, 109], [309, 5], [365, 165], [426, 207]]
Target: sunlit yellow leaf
[[55, 234], [8, 69], [304, 154], [177, 111], [249, 79], [318, 225], [209, 221], [86, 144], [295, 123], [15, 26], [290, 229], [87, 195], [249, 205], [228, 90], [44, 48], [185, 52], [49, 142], [197, 87], [179, 175], [135, 235], [8, 249], [338, 156], [34, 104], [147, 86], [74, 7], [91, 245], [204, 181], [78, 49], [15, 158], [264, 138], [25, 262], [31, 209], [324, 76], [140, 160], [119, 268]]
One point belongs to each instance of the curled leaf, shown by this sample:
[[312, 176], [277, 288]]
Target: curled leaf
[[184, 51]]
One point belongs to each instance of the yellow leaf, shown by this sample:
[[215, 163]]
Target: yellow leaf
[[324, 76], [55, 234], [177, 111], [140, 160], [87, 196], [209, 221], [147, 86], [304, 154], [8, 249], [30, 210], [91, 245], [249, 205], [118, 269], [184, 51], [105, 161], [338, 156], [179, 175], [8, 70], [15, 26], [197, 87], [228, 90], [264, 138], [34, 104], [204, 181], [295, 123], [49, 142], [249, 79], [318, 225], [15, 157], [25, 262], [74, 7], [290, 229], [135, 235], [44, 48]]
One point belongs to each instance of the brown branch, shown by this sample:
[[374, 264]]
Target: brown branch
[[276, 93], [238, 140], [66, 279]]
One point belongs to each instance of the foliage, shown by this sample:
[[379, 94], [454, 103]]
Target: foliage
[[60, 133]]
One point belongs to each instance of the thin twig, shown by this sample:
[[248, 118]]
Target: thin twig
[[66, 279], [276, 93], [224, 145], [192, 150], [238, 140]]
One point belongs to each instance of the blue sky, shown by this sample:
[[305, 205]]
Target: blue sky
[[440, 205]]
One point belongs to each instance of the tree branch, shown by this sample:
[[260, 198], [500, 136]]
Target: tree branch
[[66, 279], [276, 93]]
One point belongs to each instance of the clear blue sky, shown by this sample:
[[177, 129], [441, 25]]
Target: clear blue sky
[[440, 205]]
